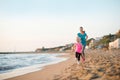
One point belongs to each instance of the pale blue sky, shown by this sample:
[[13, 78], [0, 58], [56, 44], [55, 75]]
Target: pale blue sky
[[28, 24]]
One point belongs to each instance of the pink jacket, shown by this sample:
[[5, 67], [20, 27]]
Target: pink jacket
[[78, 47]]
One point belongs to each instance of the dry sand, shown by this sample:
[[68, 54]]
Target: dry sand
[[99, 65]]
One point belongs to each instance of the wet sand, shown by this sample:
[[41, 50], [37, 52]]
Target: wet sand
[[48, 72]]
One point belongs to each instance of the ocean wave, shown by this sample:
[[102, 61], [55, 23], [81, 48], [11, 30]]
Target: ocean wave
[[10, 62]]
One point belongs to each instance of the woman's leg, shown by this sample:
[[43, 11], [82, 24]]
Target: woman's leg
[[83, 53]]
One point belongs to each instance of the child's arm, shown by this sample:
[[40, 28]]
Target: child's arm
[[73, 48]]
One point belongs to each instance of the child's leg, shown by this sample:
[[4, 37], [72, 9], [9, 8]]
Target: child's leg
[[76, 55], [79, 56]]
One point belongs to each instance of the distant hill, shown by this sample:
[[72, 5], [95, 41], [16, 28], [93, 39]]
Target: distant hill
[[105, 40], [55, 49]]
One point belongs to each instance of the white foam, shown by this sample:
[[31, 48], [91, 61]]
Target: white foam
[[25, 70]]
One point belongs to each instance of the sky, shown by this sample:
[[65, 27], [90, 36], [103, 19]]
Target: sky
[[29, 24]]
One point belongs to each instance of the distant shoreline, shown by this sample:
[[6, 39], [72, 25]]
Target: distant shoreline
[[33, 52]]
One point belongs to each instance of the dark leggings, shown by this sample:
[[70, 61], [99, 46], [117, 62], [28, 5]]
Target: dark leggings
[[77, 55]]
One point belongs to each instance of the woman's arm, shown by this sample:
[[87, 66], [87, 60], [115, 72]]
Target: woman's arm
[[86, 37]]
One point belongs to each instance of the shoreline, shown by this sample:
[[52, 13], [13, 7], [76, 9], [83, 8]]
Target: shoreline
[[26, 70]]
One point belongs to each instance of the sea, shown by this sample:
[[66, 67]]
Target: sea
[[12, 65]]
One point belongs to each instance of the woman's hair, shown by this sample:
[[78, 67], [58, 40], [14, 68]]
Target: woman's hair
[[81, 27]]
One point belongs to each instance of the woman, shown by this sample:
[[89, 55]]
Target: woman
[[83, 36]]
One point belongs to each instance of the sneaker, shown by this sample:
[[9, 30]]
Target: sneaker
[[76, 59], [78, 62], [83, 59]]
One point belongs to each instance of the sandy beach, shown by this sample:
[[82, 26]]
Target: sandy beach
[[99, 65]]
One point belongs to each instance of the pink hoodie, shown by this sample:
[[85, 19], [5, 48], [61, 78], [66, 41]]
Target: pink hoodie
[[78, 47]]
